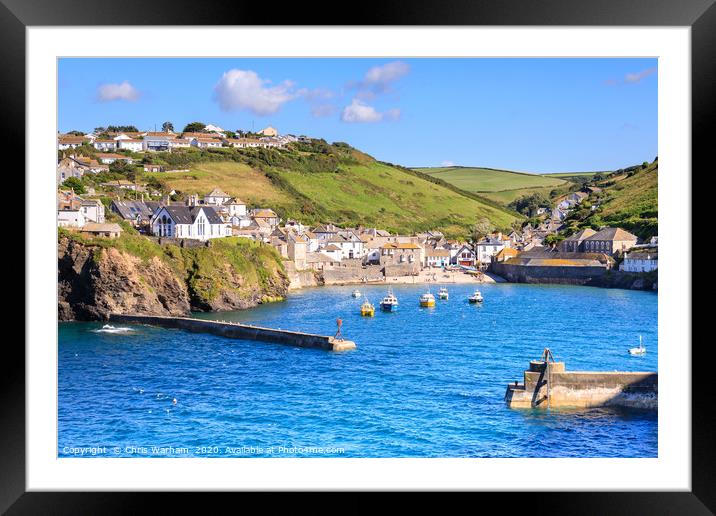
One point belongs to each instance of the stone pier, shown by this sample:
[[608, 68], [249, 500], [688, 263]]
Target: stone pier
[[239, 331], [549, 384]]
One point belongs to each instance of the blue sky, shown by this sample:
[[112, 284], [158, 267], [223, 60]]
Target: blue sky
[[533, 115]]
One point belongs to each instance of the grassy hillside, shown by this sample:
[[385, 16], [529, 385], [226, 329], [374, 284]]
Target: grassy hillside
[[491, 180], [628, 200], [335, 183], [238, 179]]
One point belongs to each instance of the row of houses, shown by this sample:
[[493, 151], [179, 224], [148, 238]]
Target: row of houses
[[167, 141]]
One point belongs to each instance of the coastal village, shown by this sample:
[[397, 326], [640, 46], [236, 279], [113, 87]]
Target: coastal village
[[325, 253]]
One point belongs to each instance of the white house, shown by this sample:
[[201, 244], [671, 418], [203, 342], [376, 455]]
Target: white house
[[179, 143], [69, 210], [65, 142], [111, 158], [131, 145], [464, 256], [243, 143], [105, 145], [217, 197], [487, 248], [156, 143], [349, 243], [332, 251], [236, 208], [643, 260], [192, 222], [92, 210], [437, 257], [70, 217], [206, 143]]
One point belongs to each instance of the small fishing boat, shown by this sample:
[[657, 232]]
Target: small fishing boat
[[356, 293], [389, 302], [443, 293], [427, 300], [641, 350], [367, 309], [476, 297]]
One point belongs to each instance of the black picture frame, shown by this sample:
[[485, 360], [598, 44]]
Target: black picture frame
[[700, 15]]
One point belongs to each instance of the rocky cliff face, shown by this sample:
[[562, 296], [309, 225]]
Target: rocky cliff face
[[95, 281]]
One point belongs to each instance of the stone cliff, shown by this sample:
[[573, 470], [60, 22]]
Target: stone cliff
[[96, 278]]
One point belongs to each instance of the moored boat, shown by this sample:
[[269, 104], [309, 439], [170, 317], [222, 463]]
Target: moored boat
[[389, 302], [476, 297], [356, 293], [443, 293], [641, 350], [367, 309], [427, 300]]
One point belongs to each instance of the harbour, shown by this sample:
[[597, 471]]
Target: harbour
[[419, 381]]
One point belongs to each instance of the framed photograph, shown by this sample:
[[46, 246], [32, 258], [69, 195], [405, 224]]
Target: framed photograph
[[420, 253]]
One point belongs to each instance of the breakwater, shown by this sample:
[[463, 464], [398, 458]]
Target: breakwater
[[239, 331], [548, 384]]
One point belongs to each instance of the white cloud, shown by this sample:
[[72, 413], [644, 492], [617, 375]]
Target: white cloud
[[386, 73], [379, 79], [110, 91], [244, 89], [448, 163], [632, 78], [360, 112]]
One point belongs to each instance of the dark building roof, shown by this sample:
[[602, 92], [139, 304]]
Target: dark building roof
[[129, 210], [188, 214]]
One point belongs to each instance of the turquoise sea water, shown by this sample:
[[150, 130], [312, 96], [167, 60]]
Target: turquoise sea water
[[422, 383]]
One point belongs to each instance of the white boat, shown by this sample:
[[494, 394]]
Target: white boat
[[389, 302], [443, 293], [476, 297], [356, 293], [641, 350]]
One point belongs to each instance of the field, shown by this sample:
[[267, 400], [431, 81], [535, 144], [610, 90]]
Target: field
[[362, 192], [491, 180], [507, 196], [574, 174]]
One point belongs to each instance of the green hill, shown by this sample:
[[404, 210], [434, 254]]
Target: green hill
[[475, 179], [629, 200], [320, 182]]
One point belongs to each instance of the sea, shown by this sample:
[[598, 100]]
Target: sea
[[423, 382]]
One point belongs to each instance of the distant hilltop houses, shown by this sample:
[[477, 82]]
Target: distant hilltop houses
[[151, 141]]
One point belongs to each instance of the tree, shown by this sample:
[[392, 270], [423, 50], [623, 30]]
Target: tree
[[194, 127], [480, 230], [528, 204], [553, 239], [76, 133], [168, 127], [121, 129], [75, 183]]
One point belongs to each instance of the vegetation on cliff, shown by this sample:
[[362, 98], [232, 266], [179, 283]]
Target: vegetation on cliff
[[133, 273], [628, 199]]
